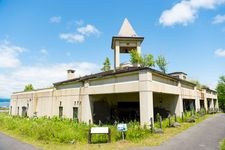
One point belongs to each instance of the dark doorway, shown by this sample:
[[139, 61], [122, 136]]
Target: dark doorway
[[188, 104], [60, 111], [101, 112], [128, 111], [208, 103], [202, 104], [24, 111], [75, 113]]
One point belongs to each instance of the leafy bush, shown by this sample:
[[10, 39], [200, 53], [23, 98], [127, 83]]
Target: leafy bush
[[222, 145]]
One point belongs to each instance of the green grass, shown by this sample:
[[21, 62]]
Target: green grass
[[222, 145], [60, 134]]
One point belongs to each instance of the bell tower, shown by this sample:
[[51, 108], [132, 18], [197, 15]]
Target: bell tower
[[125, 41]]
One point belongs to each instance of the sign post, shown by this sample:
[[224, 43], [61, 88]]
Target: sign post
[[122, 128]]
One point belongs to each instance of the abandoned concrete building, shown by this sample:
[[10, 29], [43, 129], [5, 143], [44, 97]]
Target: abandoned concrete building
[[122, 94]]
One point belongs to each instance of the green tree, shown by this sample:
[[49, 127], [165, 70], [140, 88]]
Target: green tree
[[221, 92], [135, 57], [106, 65], [143, 61], [28, 87], [148, 61], [162, 63]]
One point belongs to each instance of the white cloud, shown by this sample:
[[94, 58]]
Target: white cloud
[[44, 51], [55, 19], [41, 76], [9, 55], [81, 34], [72, 37], [220, 52], [218, 19], [186, 11], [88, 30], [79, 22]]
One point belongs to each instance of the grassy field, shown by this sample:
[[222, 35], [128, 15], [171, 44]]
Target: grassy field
[[61, 134]]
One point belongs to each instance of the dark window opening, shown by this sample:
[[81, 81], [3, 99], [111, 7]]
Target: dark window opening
[[75, 113], [18, 111], [188, 104], [60, 111]]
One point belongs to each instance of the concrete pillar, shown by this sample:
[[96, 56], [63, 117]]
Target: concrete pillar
[[86, 109], [179, 107], [206, 103], [86, 105], [211, 103], [117, 55], [197, 99], [146, 107], [197, 104], [145, 97], [139, 47]]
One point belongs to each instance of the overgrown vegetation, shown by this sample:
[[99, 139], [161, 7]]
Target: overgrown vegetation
[[28, 87], [143, 61], [63, 130], [222, 145], [148, 60], [106, 65], [221, 92], [162, 63], [60, 134]]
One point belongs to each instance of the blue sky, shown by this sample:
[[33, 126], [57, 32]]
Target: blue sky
[[40, 40]]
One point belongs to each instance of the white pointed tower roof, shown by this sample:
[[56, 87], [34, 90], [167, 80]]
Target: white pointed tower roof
[[126, 29], [126, 34]]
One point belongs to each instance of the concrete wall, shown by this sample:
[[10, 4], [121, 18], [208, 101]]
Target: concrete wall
[[144, 83]]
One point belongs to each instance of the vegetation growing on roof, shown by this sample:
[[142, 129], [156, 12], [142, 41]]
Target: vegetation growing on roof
[[143, 61], [28, 87], [162, 63], [106, 65]]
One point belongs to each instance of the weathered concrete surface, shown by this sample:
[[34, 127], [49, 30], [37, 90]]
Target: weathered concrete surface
[[204, 136], [9, 143]]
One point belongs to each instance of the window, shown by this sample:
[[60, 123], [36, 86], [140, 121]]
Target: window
[[60, 111], [75, 113], [18, 111]]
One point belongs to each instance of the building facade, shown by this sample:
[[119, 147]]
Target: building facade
[[122, 94]]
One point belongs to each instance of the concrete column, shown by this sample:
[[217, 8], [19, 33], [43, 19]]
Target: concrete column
[[139, 47], [211, 103], [197, 99], [179, 107], [117, 55], [145, 97], [146, 107], [86, 105], [206, 103], [197, 104], [86, 109]]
